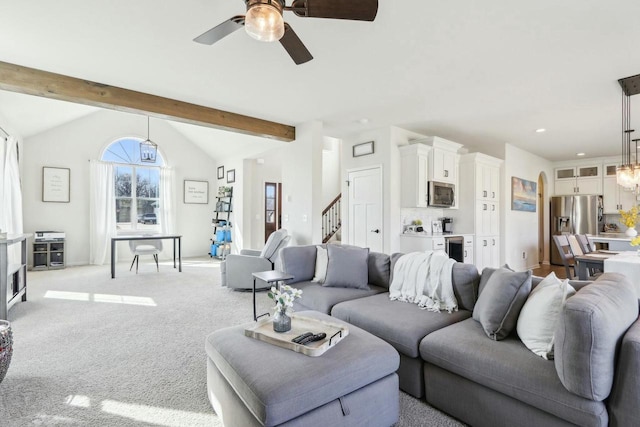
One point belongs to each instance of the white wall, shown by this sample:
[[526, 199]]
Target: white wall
[[386, 154], [72, 145], [331, 164], [520, 229], [302, 185]]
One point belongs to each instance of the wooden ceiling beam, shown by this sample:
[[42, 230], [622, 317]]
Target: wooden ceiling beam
[[16, 78]]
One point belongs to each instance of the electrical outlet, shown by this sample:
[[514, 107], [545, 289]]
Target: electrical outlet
[[524, 255]]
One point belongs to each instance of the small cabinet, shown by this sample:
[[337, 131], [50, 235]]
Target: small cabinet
[[414, 160], [413, 243], [48, 255], [615, 197]]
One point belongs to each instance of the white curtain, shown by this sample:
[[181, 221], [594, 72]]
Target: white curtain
[[102, 211], [167, 208], [10, 187]]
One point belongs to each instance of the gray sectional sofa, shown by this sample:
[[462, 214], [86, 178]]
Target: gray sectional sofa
[[450, 361]]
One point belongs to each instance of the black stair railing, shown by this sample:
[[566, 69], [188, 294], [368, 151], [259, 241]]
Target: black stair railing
[[331, 219]]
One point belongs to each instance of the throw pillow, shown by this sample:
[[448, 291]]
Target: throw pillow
[[500, 302], [486, 273], [539, 316], [322, 259], [347, 267]]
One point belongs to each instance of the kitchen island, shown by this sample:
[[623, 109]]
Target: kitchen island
[[615, 241]]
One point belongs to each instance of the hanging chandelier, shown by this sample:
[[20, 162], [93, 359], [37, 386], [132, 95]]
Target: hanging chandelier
[[628, 173], [148, 148]]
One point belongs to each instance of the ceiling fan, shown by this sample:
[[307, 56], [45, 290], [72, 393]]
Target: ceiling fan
[[264, 21]]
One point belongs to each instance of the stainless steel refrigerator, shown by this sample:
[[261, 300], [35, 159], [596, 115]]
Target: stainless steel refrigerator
[[574, 215]]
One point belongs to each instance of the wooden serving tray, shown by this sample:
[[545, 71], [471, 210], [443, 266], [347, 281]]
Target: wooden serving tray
[[263, 331]]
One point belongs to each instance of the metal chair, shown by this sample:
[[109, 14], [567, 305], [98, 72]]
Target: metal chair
[[562, 243], [145, 247]]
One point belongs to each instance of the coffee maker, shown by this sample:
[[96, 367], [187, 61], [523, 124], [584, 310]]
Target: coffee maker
[[447, 224]]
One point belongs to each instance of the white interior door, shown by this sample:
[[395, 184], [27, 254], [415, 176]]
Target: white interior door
[[365, 209]]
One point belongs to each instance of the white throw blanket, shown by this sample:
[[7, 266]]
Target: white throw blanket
[[424, 278]]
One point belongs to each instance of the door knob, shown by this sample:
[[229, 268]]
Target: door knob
[[375, 231]]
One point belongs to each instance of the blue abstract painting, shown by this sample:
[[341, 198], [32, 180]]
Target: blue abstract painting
[[523, 195]]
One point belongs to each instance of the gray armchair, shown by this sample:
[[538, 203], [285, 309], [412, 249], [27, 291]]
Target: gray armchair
[[236, 270]]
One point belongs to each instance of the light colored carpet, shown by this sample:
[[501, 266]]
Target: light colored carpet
[[93, 351]]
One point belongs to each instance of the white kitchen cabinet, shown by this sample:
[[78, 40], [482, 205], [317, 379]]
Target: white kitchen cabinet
[[487, 252], [443, 165], [615, 197], [479, 207], [467, 253], [487, 182], [574, 180], [443, 159], [414, 160], [421, 243]]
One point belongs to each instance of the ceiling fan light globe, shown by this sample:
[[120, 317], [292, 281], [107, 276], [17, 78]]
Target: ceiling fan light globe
[[264, 22]]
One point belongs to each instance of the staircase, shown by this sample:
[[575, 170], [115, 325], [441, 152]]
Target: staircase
[[331, 219]]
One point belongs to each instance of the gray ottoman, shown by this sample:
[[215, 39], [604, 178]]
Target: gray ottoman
[[253, 383]]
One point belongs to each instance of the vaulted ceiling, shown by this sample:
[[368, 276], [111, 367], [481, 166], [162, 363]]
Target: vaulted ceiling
[[479, 73]]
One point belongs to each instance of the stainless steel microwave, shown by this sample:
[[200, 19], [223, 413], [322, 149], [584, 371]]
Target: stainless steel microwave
[[441, 194]]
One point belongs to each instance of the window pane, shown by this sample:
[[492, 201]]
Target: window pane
[[148, 214], [123, 181], [271, 217], [148, 182], [270, 191], [123, 212], [127, 150]]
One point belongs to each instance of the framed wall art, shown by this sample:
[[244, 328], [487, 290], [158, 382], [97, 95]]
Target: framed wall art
[[523, 195], [220, 172], [55, 184], [196, 192], [231, 176], [363, 149]]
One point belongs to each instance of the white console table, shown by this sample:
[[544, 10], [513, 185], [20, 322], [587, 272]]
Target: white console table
[[13, 276]]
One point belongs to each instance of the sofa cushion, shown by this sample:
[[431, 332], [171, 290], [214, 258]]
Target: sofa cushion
[[589, 333], [379, 266], [322, 261], [508, 367], [465, 279], [501, 300], [319, 298], [539, 315], [401, 324], [486, 274], [299, 261], [348, 267]]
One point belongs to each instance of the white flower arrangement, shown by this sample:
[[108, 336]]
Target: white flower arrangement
[[284, 297]]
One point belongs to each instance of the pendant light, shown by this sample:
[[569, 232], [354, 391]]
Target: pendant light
[[148, 148], [628, 173]]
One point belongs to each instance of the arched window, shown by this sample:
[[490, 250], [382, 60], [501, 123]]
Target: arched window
[[137, 185]]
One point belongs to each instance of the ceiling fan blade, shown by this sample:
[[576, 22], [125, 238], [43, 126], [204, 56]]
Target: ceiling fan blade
[[220, 31], [294, 46], [357, 10]]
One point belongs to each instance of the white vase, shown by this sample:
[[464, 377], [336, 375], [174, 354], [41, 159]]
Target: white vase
[[631, 232]]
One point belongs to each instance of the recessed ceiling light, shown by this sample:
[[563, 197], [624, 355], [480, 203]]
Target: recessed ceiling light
[[580, 154], [541, 130], [363, 121]]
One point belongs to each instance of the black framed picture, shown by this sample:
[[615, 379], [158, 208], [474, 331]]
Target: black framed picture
[[220, 172], [363, 149], [231, 176]]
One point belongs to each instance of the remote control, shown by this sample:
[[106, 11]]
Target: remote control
[[301, 337], [312, 338]]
